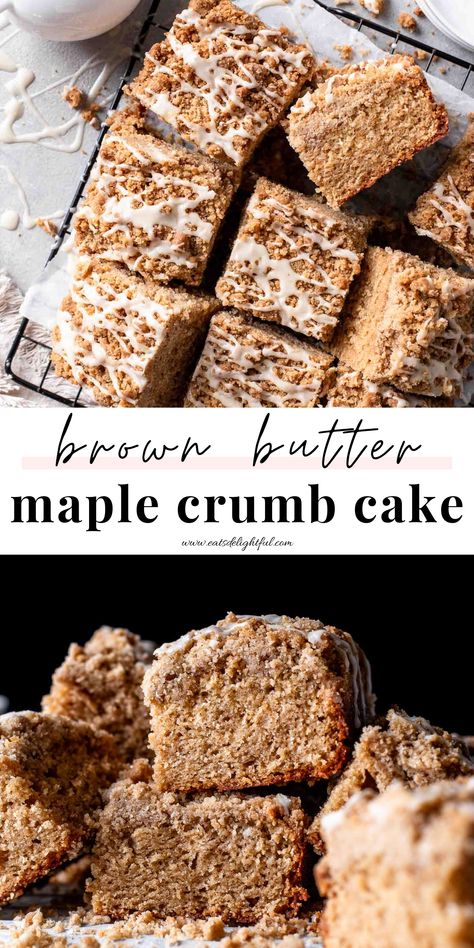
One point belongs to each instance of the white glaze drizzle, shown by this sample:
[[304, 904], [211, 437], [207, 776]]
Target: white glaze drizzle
[[304, 302], [361, 679], [136, 322], [446, 196], [445, 343], [383, 391], [21, 101], [221, 88], [128, 213], [246, 383], [10, 218]]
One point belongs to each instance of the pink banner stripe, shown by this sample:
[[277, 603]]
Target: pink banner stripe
[[237, 464]]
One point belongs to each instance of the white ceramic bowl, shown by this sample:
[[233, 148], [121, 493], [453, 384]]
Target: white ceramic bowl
[[68, 19], [454, 19]]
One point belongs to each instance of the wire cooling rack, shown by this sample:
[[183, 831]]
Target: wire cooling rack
[[26, 337]]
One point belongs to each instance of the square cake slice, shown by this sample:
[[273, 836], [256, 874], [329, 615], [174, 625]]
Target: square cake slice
[[152, 205], [246, 363], [352, 390], [363, 122], [397, 748], [399, 869], [408, 324], [293, 261], [255, 701], [52, 774], [101, 683], [228, 855], [130, 340], [222, 78], [446, 211]]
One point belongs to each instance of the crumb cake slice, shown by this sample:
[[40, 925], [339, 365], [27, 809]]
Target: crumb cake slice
[[52, 774], [222, 78], [130, 340], [362, 123], [352, 390], [399, 869], [228, 855], [408, 324], [101, 683], [398, 748], [152, 205], [293, 261], [445, 212], [248, 364], [255, 701]]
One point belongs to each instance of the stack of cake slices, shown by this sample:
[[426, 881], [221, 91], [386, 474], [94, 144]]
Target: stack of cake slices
[[226, 268], [265, 762]]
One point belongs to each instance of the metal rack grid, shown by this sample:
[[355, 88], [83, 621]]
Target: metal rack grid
[[360, 23]]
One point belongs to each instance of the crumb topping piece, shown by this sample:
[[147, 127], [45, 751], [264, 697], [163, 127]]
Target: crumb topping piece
[[293, 261], [151, 205], [247, 364], [130, 340], [222, 78], [445, 212], [408, 324]]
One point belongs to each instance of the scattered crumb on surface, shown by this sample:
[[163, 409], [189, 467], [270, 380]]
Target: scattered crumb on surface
[[31, 933], [47, 225], [407, 21], [74, 97], [345, 50], [36, 930], [373, 6], [79, 101], [418, 11], [421, 54]]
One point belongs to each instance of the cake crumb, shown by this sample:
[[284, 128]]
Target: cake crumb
[[345, 50], [74, 97], [47, 225], [418, 11], [79, 101], [407, 21], [33, 934], [421, 54], [373, 6]]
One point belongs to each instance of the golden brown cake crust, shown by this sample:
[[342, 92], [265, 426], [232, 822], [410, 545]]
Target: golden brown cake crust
[[256, 701], [52, 774], [101, 683], [364, 122], [445, 212], [247, 363], [293, 261], [259, 70], [230, 855]]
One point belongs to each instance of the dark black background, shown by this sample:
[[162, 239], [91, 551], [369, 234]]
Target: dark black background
[[409, 614]]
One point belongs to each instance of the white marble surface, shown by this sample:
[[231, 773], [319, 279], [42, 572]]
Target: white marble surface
[[48, 176]]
